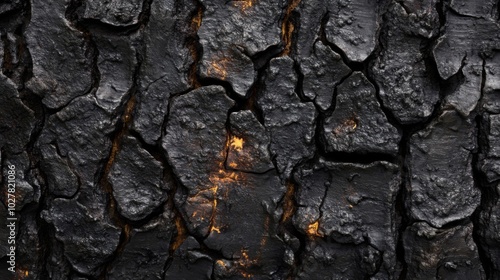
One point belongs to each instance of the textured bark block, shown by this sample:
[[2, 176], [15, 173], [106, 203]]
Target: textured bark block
[[189, 264], [165, 66], [116, 63], [61, 179], [489, 231], [16, 119], [459, 49], [358, 124], [322, 71], [89, 240], [408, 88], [60, 53], [290, 122], [248, 149], [327, 260], [114, 12], [350, 203], [261, 253], [441, 188], [353, 27], [137, 181], [146, 253], [80, 132], [195, 145], [441, 253], [231, 33]]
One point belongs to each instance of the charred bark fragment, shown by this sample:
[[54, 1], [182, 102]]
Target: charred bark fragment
[[251, 139]]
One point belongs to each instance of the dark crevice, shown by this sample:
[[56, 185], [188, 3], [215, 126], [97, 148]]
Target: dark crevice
[[122, 129], [358, 158], [194, 46], [488, 194], [261, 59]]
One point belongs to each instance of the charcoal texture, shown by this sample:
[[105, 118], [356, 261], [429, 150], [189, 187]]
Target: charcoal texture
[[250, 139]]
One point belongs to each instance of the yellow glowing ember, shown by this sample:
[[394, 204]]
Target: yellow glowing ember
[[312, 229], [233, 164], [214, 228], [237, 143]]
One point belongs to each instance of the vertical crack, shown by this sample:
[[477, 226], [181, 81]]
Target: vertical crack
[[194, 45], [487, 192], [122, 129]]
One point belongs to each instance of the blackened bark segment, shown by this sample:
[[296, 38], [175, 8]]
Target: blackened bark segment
[[322, 71], [491, 100], [441, 253], [407, 85], [62, 64], [486, 9], [351, 204], [460, 49], [145, 255], [353, 27], [114, 12], [249, 144], [195, 144], [308, 30], [358, 124], [491, 153], [61, 179], [89, 238], [188, 263], [16, 120], [441, 188], [329, 260], [165, 66], [195, 135], [80, 132], [290, 122], [8, 6], [261, 253], [137, 181], [116, 64], [233, 31], [488, 229]]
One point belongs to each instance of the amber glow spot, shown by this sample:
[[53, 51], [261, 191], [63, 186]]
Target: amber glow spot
[[244, 4], [237, 143], [181, 233], [221, 263], [312, 229], [246, 262], [348, 126], [197, 18], [288, 203], [233, 164], [218, 68], [214, 229]]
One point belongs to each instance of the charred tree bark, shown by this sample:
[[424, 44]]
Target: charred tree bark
[[249, 139]]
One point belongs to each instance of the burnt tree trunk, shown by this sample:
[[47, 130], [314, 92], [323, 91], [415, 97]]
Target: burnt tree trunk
[[250, 139]]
